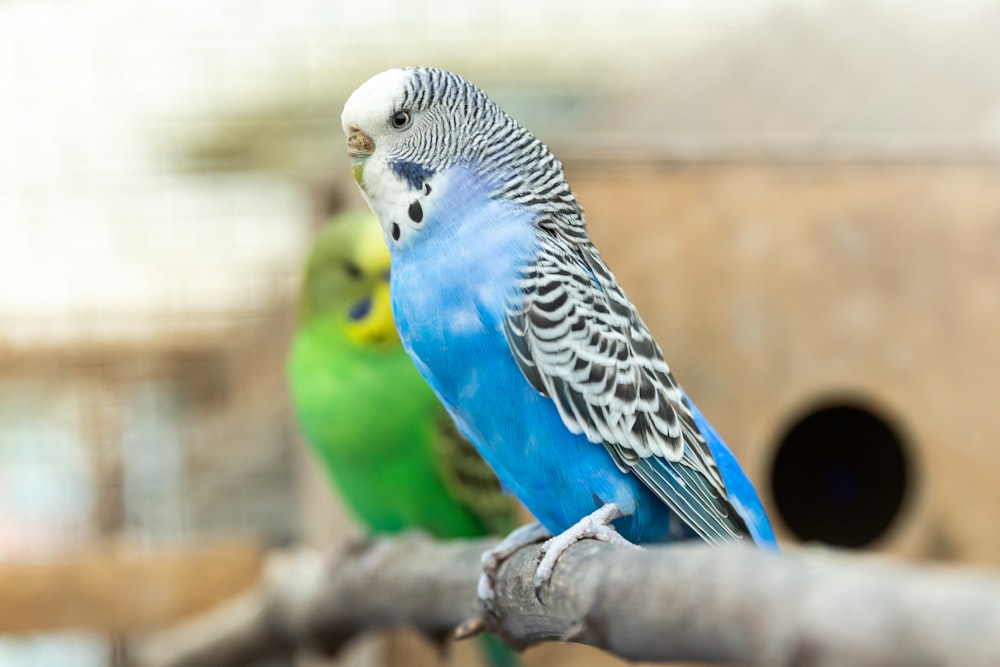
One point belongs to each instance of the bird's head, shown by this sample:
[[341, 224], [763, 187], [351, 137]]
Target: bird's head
[[407, 127], [347, 281], [414, 118]]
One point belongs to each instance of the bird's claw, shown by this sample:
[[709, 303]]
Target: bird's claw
[[470, 627], [596, 525], [492, 559]]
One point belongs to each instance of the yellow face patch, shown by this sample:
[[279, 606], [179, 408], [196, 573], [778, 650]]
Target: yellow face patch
[[358, 169], [376, 328]]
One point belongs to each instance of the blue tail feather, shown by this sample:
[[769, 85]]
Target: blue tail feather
[[742, 494]]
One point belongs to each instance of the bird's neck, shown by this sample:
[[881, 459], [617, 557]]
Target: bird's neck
[[468, 257]]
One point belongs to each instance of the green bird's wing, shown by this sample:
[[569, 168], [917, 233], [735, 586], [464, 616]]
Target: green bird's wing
[[470, 480]]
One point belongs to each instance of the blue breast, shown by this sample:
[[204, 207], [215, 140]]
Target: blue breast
[[450, 285]]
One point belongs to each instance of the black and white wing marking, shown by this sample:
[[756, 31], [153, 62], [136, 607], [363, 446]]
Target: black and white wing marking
[[578, 339], [469, 479]]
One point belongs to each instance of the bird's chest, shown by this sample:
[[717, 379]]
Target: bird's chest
[[449, 301], [453, 281]]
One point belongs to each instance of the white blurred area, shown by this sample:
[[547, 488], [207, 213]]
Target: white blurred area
[[102, 237], [157, 164]]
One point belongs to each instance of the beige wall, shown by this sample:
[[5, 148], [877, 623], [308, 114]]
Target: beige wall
[[771, 287]]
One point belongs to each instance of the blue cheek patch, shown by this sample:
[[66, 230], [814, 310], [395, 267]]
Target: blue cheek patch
[[361, 309], [411, 172]]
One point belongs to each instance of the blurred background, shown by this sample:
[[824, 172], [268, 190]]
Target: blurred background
[[802, 198]]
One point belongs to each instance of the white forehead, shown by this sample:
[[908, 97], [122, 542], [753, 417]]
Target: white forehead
[[373, 101]]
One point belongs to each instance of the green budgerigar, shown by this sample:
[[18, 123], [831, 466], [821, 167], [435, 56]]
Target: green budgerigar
[[383, 438]]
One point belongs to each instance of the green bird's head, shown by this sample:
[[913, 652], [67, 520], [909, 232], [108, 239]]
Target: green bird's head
[[347, 281]]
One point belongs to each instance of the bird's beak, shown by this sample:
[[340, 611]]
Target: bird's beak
[[359, 144], [377, 329], [359, 147]]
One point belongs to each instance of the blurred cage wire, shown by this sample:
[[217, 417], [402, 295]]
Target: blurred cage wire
[[163, 166]]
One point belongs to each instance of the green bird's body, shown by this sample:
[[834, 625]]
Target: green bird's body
[[381, 435], [379, 431]]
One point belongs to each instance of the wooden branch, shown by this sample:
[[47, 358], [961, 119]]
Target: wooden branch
[[121, 589], [688, 602]]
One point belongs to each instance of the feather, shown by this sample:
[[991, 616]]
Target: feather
[[577, 337]]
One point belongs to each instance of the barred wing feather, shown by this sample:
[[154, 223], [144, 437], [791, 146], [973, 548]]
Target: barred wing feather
[[578, 339]]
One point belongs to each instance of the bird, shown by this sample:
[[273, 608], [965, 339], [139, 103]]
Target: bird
[[514, 319], [374, 424]]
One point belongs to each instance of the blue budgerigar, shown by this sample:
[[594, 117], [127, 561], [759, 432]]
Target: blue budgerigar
[[514, 319]]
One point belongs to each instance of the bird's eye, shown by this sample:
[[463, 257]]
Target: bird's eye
[[353, 270], [401, 120]]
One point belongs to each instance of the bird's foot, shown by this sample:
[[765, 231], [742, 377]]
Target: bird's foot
[[596, 525], [492, 559]]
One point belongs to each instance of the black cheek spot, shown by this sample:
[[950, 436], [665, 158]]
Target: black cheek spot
[[395, 232], [361, 309], [416, 212]]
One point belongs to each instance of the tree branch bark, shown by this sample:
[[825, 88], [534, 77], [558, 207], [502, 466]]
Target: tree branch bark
[[690, 602]]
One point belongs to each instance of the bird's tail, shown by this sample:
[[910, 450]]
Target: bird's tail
[[496, 653]]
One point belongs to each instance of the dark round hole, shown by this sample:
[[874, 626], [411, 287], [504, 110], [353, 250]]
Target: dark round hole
[[840, 476]]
